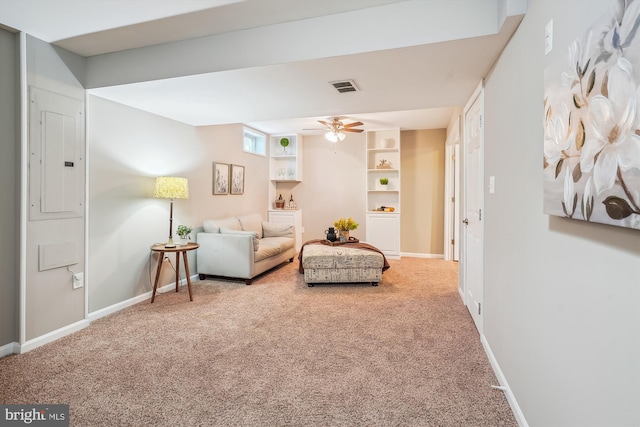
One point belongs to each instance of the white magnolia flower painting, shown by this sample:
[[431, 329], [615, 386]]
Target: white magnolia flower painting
[[592, 123]]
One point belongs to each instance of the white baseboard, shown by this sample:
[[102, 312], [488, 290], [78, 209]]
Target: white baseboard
[[95, 315], [18, 348], [11, 348], [517, 412], [52, 336], [419, 255]]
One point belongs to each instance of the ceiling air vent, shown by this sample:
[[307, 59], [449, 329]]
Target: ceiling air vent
[[343, 86]]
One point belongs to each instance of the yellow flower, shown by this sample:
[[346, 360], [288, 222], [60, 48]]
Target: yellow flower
[[345, 224]]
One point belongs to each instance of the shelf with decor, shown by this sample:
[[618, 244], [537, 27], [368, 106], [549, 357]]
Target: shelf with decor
[[285, 158], [383, 190]]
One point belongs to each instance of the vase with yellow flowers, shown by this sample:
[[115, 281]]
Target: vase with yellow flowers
[[344, 226]]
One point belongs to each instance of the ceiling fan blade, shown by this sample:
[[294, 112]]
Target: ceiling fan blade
[[324, 123], [353, 124], [352, 130]]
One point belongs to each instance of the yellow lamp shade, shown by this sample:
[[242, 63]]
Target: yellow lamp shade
[[171, 187]]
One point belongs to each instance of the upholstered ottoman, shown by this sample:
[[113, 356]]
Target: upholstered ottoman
[[341, 264]]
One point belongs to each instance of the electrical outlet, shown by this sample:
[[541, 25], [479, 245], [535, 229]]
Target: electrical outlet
[[78, 280]]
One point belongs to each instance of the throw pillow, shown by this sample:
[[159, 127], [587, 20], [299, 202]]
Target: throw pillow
[[214, 225], [272, 229], [252, 222], [253, 234]]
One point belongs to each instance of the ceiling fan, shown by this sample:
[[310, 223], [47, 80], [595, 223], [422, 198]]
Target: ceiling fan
[[336, 128]]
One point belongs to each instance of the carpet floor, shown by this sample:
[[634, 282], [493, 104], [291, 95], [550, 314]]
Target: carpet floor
[[276, 353]]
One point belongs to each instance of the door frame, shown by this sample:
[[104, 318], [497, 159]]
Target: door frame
[[452, 195], [464, 254]]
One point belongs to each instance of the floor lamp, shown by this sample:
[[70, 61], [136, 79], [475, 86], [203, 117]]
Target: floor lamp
[[171, 187]]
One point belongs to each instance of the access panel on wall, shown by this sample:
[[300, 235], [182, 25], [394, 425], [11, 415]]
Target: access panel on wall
[[56, 156]]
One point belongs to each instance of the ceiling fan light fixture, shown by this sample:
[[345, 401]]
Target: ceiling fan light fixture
[[332, 136]]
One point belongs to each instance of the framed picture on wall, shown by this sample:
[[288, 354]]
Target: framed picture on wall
[[237, 179], [591, 136], [220, 178]]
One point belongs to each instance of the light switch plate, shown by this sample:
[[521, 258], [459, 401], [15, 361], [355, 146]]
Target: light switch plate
[[548, 37], [78, 280]]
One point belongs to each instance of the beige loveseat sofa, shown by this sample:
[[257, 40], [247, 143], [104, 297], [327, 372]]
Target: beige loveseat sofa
[[243, 247]]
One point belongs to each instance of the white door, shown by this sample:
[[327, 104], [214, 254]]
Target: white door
[[452, 198], [473, 205]]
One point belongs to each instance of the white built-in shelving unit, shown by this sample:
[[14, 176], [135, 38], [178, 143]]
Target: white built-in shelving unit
[[383, 225]]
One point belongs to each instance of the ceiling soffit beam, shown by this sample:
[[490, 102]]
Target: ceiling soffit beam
[[414, 23]]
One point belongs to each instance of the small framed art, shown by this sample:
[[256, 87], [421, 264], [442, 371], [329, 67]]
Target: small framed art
[[220, 178], [237, 179]]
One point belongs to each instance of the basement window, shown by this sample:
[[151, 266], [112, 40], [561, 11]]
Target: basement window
[[254, 142]]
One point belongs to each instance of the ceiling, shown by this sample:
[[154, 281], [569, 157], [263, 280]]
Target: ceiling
[[411, 87]]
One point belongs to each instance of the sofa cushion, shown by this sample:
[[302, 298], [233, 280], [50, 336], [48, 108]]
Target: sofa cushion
[[253, 234], [266, 250], [251, 222], [272, 246], [213, 225], [273, 229]]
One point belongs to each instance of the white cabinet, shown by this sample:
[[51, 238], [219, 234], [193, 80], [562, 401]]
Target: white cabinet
[[383, 200], [383, 232], [285, 161], [291, 217]]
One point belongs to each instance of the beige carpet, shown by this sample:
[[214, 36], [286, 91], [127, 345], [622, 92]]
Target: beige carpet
[[276, 353]]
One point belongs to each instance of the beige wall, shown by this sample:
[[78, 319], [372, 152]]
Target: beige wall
[[422, 210], [51, 302], [561, 297], [127, 149], [333, 184]]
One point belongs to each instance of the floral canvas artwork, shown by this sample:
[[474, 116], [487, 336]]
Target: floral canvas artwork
[[592, 123]]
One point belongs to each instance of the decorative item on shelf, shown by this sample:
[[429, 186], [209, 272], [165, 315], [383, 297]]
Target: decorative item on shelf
[[331, 234], [385, 209], [384, 181], [171, 187], [291, 204], [344, 225], [280, 202], [291, 173], [184, 231], [384, 164], [284, 142]]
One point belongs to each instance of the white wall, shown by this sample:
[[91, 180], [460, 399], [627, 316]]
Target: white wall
[[562, 297], [127, 149]]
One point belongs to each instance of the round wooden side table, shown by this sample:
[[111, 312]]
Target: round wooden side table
[[180, 249]]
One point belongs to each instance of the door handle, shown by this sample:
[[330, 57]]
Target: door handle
[[465, 221]]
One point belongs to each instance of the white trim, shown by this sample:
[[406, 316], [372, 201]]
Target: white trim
[[11, 348], [53, 335], [95, 315], [24, 193], [420, 255], [504, 386], [87, 270]]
